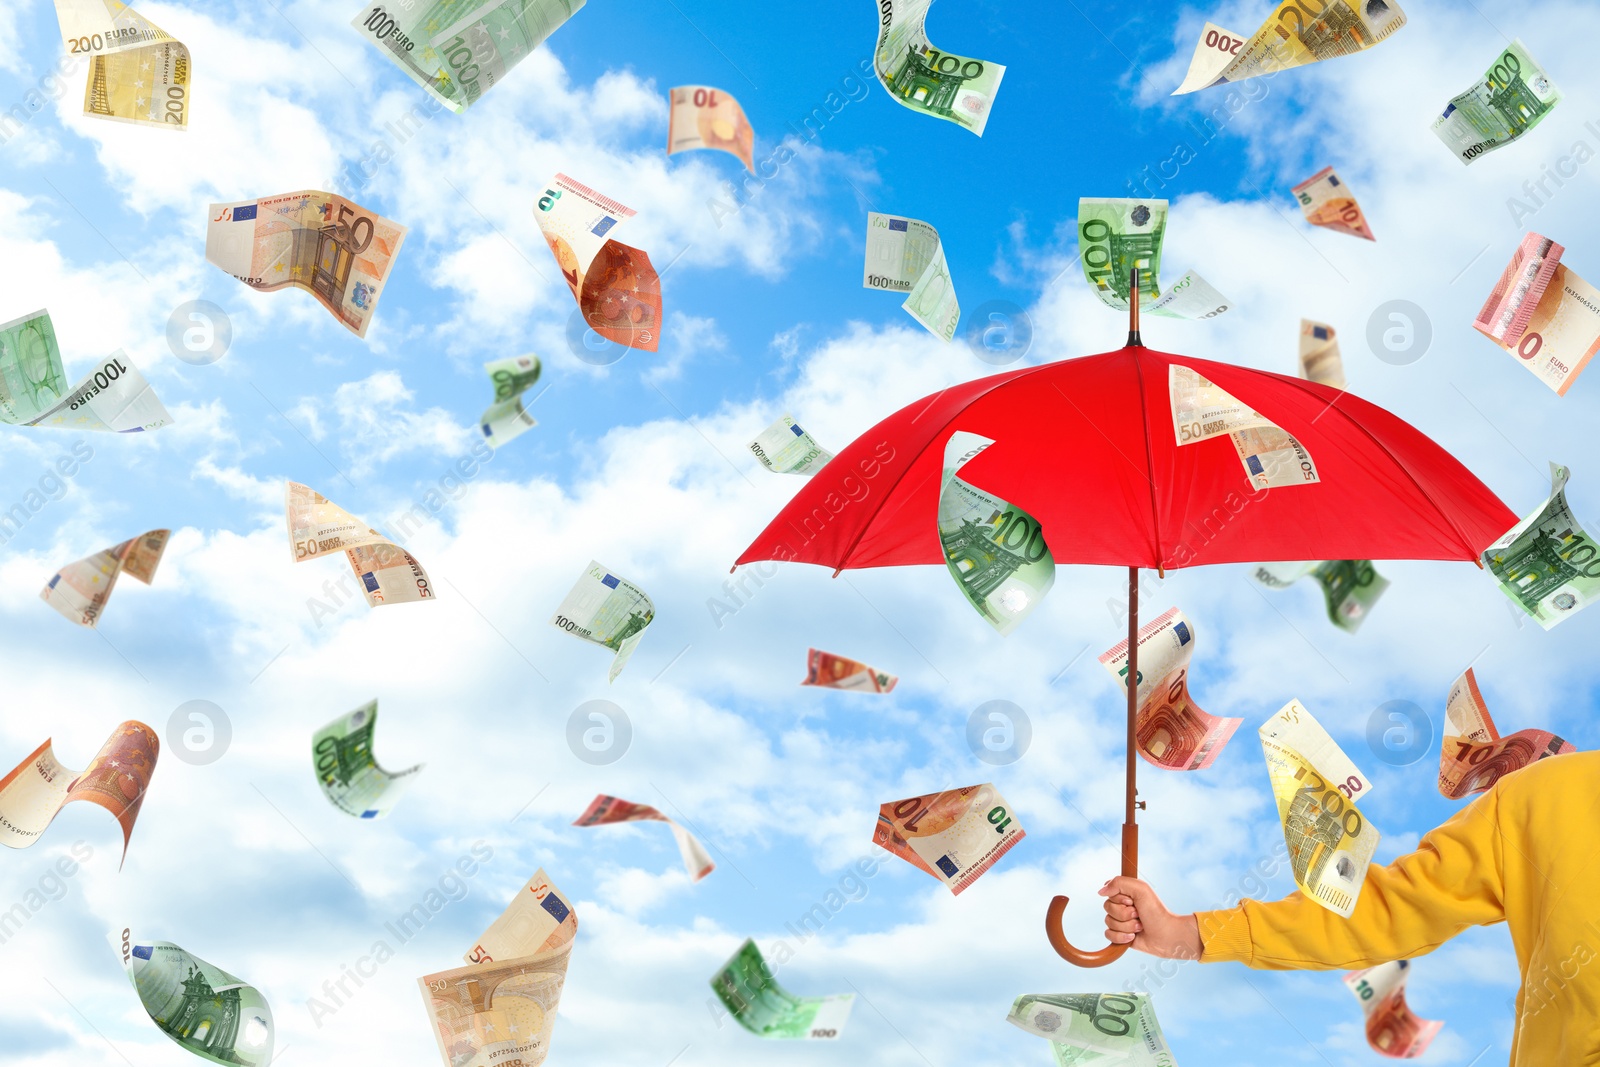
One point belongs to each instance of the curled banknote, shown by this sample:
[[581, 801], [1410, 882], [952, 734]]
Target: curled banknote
[[116, 779], [202, 1008], [1095, 1028], [1319, 354], [1117, 236], [752, 995], [458, 49], [1547, 563], [1510, 99], [955, 835], [500, 1009], [944, 85], [605, 810], [348, 771], [1473, 756], [1544, 314], [1350, 587], [79, 590], [506, 418], [137, 72], [1317, 786], [319, 242], [1202, 410], [836, 672], [114, 398], [906, 256], [996, 552], [606, 610], [1392, 1030], [387, 573], [1292, 36], [615, 285], [785, 448], [1326, 201], [702, 117], [1170, 730]]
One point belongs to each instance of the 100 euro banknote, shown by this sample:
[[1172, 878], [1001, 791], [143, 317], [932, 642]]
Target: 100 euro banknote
[[747, 987]]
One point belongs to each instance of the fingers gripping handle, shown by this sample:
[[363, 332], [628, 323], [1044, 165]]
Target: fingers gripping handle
[[1058, 908]]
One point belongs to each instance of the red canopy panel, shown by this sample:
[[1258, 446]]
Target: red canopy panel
[[1087, 446]]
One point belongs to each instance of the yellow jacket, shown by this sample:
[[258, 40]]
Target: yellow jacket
[[1526, 853]]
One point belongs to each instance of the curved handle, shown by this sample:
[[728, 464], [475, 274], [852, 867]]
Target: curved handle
[[1064, 949]]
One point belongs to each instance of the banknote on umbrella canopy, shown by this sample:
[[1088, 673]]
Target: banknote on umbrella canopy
[[1295, 34], [116, 779], [1473, 756], [1392, 1029], [1202, 410], [955, 835], [1542, 313], [1116, 236], [1170, 729], [1546, 563], [1316, 786], [995, 551]]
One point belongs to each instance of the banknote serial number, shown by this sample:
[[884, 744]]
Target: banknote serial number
[[383, 26]]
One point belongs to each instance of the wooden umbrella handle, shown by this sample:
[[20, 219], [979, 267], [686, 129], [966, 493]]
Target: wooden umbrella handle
[[1058, 909]]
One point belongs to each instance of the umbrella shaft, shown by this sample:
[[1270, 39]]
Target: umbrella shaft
[[1130, 829]]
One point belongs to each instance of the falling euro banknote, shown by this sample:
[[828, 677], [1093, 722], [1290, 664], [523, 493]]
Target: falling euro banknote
[[943, 85], [1202, 410], [1542, 313], [837, 672], [995, 551], [202, 1008], [116, 779], [1320, 361], [615, 285], [1170, 729], [786, 448], [1392, 1029], [1510, 99], [506, 419], [1293, 36], [318, 242], [747, 988], [699, 116], [1327, 202], [114, 398], [1317, 786], [1117, 237], [1350, 587], [955, 835], [500, 1009], [137, 72], [348, 771], [906, 256], [1118, 1029], [458, 50], [606, 610], [1473, 756], [387, 573], [606, 810], [79, 590], [1546, 563]]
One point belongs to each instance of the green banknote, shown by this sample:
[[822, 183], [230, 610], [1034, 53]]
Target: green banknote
[[995, 551], [506, 418], [458, 49], [348, 772], [1349, 586], [1546, 563], [114, 398], [786, 448], [203, 1008], [606, 610], [32, 379], [1090, 1028], [745, 984], [955, 88], [1512, 98], [906, 256], [1117, 236]]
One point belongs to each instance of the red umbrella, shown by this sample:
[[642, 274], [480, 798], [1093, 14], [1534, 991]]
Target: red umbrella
[[1087, 446]]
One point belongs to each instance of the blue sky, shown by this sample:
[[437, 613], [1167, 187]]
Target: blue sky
[[641, 464]]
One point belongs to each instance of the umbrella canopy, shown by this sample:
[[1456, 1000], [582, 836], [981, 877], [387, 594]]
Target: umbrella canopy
[[1087, 446]]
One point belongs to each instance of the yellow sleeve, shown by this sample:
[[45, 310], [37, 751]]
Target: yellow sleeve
[[1421, 900]]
